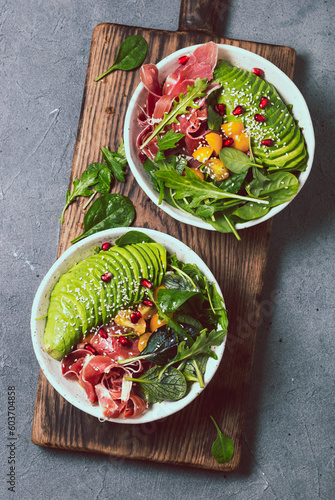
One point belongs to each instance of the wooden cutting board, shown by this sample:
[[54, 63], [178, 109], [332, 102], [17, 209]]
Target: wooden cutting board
[[184, 438]]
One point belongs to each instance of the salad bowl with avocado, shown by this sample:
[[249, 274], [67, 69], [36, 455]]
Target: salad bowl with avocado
[[129, 325]]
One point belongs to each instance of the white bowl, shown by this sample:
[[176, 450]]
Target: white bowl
[[237, 57], [70, 389]]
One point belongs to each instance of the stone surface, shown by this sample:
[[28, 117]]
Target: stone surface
[[289, 437]]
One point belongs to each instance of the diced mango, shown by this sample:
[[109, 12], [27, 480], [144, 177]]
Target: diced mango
[[143, 340], [232, 128], [123, 319], [202, 154], [155, 322], [157, 290], [216, 169], [241, 142], [146, 311], [215, 141]]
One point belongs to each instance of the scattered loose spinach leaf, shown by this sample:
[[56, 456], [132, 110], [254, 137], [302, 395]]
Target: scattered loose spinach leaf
[[170, 387], [132, 237], [223, 446], [116, 162], [111, 210], [131, 54], [104, 177]]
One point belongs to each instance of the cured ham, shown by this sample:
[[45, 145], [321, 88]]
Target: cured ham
[[199, 64]]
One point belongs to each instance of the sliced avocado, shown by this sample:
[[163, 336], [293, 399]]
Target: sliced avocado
[[133, 267]]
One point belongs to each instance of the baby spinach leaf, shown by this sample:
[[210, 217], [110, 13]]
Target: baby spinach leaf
[[108, 211], [131, 54], [81, 187], [180, 106], [171, 300], [171, 386], [279, 188], [178, 281], [104, 177], [214, 119], [235, 160], [250, 211], [234, 182], [116, 162], [223, 446], [132, 237]]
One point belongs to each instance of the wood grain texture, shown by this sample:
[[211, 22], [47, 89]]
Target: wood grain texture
[[239, 267]]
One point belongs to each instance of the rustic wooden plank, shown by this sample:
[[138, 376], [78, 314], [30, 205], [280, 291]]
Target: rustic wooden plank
[[239, 267]]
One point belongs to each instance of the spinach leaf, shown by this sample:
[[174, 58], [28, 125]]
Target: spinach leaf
[[178, 281], [193, 187], [279, 188], [171, 386], [108, 211], [132, 237], [167, 141], [81, 187], [223, 446], [104, 177], [214, 119], [170, 300], [250, 211], [180, 106], [235, 160], [234, 183], [131, 54], [116, 162]]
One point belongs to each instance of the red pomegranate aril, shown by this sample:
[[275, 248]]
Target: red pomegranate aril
[[105, 246], [248, 153], [135, 317], [146, 283], [123, 340], [259, 72], [227, 142], [90, 348], [103, 334], [259, 118], [238, 111], [183, 59], [263, 102], [148, 303], [107, 277], [220, 109], [267, 142]]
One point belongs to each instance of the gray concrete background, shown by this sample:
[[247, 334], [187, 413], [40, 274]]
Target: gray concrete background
[[289, 437]]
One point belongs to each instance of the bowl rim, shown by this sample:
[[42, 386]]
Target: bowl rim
[[143, 178], [48, 364]]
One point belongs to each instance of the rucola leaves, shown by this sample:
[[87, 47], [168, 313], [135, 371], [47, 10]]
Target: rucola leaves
[[131, 54], [81, 187]]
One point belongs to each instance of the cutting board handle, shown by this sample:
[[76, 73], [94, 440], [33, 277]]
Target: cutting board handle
[[201, 15]]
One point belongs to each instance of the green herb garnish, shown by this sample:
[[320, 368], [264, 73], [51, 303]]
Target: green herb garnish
[[223, 446]]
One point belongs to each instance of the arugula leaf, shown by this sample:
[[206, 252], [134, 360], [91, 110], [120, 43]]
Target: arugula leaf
[[104, 177], [180, 106], [81, 188], [194, 369], [199, 190], [223, 446], [116, 162], [167, 141], [201, 345], [108, 211], [170, 387], [131, 54], [214, 120]]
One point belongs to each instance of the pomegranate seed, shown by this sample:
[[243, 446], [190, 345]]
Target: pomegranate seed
[[248, 153], [259, 118], [148, 302], [107, 277], [263, 102], [146, 283], [220, 109], [227, 142], [105, 246], [135, 317], [90, 348], [102, 333], [238, 111], [123, 340], [259, 72], [183, 59], [267, 142]]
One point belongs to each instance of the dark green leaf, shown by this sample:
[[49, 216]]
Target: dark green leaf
[[132, 237], [131, 54], [108, 211], [151, 168], [171, 386], [235, 160], [278, 188], [250, 211], [194, 369], [167, 141], [116, 163], [223, 446], [104, 177], [214, 119], [179, 281], [81, 187], [234, 183], [170, 300]]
